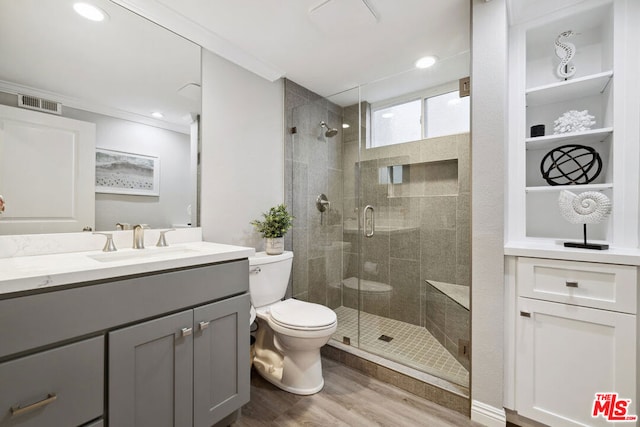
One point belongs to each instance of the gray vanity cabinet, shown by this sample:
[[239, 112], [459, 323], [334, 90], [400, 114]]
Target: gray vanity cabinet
[[221, 359], [151, 373], [176, 344], [59, 387], [188, 368]]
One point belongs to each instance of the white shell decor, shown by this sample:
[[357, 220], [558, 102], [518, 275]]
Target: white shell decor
[[590, 207], [573, 121], [565, 51]]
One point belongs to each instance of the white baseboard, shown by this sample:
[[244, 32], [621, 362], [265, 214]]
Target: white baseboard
[[488, 415]]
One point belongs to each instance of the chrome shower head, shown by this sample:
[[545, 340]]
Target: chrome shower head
[[331, 132]]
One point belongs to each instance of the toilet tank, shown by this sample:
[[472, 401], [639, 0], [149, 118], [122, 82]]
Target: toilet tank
[[269, 277]]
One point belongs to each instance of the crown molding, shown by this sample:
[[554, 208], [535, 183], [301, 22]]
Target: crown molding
[[71, 102]]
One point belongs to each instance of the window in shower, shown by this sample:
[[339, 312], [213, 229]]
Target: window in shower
[[396, 123], [446, 114], [428, 116]]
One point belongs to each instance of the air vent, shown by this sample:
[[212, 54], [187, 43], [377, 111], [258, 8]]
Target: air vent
[[39, 104]]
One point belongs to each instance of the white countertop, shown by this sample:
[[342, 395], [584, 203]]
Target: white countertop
[[29, 273], [556, 250]]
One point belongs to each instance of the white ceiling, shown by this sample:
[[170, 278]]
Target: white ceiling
[[332, 45], [327, 46], [526, 10]]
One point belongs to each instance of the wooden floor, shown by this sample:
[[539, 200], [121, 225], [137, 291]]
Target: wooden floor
[[349, 398]]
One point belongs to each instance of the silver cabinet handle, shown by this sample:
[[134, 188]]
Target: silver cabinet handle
[[17, 410], [186, 332], [571, 284], [373, 221], [256, 270], [203, 325]]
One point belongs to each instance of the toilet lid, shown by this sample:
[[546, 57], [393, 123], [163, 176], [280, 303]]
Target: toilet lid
[[293, 313]]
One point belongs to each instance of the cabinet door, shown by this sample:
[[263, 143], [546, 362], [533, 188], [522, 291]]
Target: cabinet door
[[565, 355], [151, 373], [221, 359]]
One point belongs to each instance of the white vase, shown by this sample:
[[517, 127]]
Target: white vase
[[275, 245]]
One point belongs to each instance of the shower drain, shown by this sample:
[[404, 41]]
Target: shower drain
[[385, 338]]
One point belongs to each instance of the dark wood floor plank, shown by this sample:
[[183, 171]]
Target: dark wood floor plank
[[349, 399]]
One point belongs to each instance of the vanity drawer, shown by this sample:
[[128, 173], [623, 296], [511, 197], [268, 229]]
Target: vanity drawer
[[59, 387], [605, 286]]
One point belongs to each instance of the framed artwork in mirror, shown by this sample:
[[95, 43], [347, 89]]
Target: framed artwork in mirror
[[118, 172]]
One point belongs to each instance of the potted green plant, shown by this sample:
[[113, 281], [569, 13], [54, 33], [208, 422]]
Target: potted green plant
[[277, 221]]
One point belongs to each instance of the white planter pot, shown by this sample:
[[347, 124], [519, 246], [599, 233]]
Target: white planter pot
[[275, 245]]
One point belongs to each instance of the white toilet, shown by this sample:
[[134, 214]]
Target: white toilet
[[290, 332]]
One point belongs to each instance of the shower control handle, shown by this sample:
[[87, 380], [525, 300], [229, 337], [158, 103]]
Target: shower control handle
[[372, 222], [322, 203]]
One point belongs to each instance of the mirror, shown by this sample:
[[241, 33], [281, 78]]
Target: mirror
[[113, 74]]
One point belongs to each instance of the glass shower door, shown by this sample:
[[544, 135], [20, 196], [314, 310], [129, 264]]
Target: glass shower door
[[414, 238], [381, 232]]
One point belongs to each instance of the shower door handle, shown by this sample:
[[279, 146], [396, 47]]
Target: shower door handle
[[372, 222]]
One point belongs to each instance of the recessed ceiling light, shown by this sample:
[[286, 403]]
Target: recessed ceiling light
[[387, 115], [345, 125], [90, 11], [425, 62], [157, 114]]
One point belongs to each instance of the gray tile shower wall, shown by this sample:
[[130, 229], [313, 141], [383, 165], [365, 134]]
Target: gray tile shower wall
[[313, 165], [448, 322]]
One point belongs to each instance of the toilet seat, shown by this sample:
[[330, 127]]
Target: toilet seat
[[301, 315]]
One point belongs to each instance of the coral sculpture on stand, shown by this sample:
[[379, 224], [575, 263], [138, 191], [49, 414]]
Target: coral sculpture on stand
[[573, 121], [590, 207]]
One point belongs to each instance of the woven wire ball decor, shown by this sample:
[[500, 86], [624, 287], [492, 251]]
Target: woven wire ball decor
[[571, 164]]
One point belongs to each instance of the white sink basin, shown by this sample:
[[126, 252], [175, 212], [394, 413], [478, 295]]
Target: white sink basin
[[131, 254]]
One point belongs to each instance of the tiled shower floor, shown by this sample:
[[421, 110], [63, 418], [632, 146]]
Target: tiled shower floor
[[412, 345]]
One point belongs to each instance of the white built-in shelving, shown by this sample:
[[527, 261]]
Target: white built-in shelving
[[566, 90], [555, 140], [558, 188], [604, 84], [547, 319]]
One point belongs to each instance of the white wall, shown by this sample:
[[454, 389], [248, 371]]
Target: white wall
[[242, 150], [488, 128]]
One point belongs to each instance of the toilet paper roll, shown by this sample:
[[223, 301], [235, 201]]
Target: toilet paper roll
[[370, 267]]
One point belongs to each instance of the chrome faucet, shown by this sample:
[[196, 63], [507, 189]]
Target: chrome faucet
[[138, 236]]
